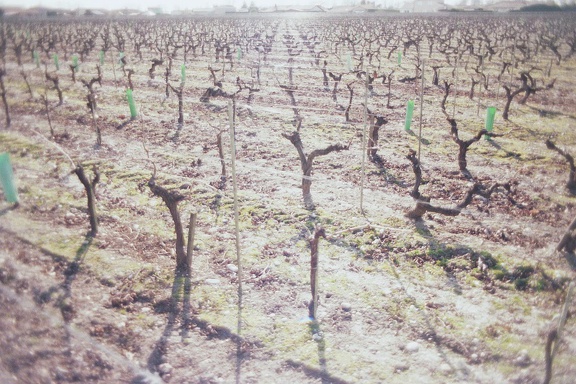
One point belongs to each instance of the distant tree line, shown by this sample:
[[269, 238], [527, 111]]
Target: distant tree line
[[548, 8]]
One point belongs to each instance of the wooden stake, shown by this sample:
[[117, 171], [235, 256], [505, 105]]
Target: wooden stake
[[513, 60], [482, 91], [45, 100], [455, 86], [95, 126], [364, 144], [562, 321], [498, 91], [555, 334], [421, 107], [231, 113], [191, 234], [3, 97], [113, 68], [221, 155], [319, 232]]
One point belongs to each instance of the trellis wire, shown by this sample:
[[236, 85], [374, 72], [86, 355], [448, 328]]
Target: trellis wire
[[302, 91], [364, 143], [231, 112], [421, 108], [482, 90], [278, 108], [321, 109], [455, 86], [270, 170], [562, 320], [191, 236], [316, 88]]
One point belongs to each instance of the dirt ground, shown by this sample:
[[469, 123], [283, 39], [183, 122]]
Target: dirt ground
[[469, 298]]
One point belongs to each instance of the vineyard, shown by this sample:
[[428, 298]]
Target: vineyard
[[258, 199]]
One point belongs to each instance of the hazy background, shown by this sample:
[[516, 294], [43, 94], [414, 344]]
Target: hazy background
[[169, 5]]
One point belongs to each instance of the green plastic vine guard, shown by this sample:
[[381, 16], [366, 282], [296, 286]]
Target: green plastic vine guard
[[349, 62], [399, 59], [120, 57], [409, 111], [490, 114], [131, 104], [36, 59], [56, 62], [75, 62], [101, 55], [7, 179], [183, 73], [238, 53]]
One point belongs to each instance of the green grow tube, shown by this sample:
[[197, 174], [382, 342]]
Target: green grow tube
[[490, 114], [7, 179], [409, 111], [131, 104]]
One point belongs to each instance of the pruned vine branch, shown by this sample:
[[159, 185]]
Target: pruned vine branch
[[568, 241], [422, 207], [571, 183], [171, 199], [376, 122], [90, 187], [418, 174], [463, 145], [306, 162]]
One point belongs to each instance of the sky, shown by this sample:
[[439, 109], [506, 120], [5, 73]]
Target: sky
[[168, 5]]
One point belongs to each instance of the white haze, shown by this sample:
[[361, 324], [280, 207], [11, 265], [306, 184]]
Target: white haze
[[169, 5]]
